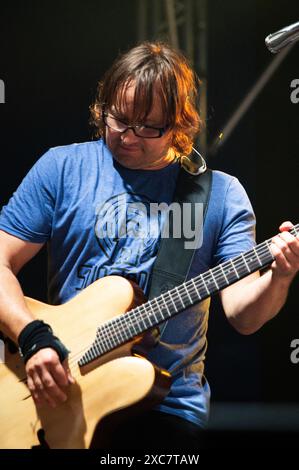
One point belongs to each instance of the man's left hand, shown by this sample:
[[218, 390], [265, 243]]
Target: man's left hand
[[285, 248]]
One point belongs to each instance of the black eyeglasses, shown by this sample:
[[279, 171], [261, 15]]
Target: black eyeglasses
[[144, 131]]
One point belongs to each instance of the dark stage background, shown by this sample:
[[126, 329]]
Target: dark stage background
[[51, 56]]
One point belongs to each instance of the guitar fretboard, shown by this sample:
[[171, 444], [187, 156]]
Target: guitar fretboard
[[125, 327]]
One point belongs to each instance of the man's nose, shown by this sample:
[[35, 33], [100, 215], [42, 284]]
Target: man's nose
[[128, 136]]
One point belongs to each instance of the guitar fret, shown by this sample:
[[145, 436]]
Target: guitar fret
[[94, 351], [169, 313], [257, 255], [173, 303], [204, 283], [185, 287], [269, 251], [243, 257], [104, 339], [132, 324], [223, 272], [98, 342], [180, 297], [159, 310], [142, 317], [113, 330], [152, 310], [253, 261], [198, 294], [210, 279], [237, 274], [99, 346], [122, 325], [214, 279], [88, 355]]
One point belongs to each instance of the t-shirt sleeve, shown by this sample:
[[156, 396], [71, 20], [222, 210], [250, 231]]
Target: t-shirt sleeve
[[237, 233], [29, 212]]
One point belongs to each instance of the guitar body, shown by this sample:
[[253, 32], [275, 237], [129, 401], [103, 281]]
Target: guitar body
[[117, 381]]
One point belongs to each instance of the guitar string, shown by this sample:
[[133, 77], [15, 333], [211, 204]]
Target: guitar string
[[118, 328], [135, 318], [73, 362], [115, 329], [260, 249]]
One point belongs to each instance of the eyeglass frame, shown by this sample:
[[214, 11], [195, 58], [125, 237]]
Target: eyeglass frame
[[162, 130]]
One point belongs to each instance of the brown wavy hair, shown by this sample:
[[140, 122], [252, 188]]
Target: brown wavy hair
[[153, 65]]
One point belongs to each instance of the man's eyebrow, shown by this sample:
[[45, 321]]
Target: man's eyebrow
[[147, 121]]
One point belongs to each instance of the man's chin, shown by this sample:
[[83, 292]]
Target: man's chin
[[128, 162]]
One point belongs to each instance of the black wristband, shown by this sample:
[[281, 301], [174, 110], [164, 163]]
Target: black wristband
[[39, 335]]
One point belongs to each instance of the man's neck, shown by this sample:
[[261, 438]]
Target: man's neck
[[163, 162]]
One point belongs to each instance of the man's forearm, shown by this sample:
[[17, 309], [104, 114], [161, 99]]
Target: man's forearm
[[257, 302], [254, 300], [14, 315]]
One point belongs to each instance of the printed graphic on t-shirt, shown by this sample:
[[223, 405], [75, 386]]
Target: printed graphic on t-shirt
[[127, 229]]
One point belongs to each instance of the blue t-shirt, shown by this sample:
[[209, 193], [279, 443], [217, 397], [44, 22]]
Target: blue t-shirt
[[73, 198]]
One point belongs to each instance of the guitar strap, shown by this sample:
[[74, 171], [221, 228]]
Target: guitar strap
[[174, 259]]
